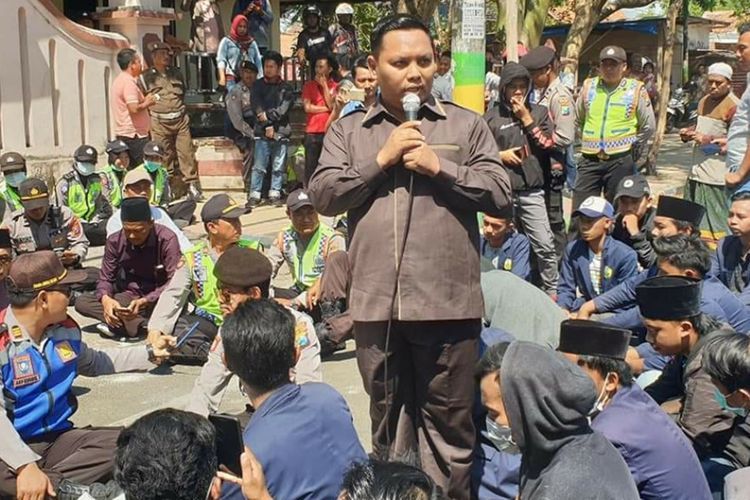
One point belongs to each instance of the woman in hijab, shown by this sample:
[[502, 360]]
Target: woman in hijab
[[233, 49]]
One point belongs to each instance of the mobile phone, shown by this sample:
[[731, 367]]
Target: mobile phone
[[183, 338], [357, 94], [229, 443], [120, 309]]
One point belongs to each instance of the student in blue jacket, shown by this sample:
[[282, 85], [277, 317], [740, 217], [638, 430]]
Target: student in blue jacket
[[596, 262], [503, 246], [730, 264]]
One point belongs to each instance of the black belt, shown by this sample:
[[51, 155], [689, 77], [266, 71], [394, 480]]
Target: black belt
[[602, 156]]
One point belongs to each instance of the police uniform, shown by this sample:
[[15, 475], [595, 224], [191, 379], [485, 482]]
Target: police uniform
[[242, 115], [244, 268], [83, 195], [558, 99], [615, 126], [37, 376], [11, 164], [161, 192], [194, 280], [170, 124], [306, 260], [112, 176], [661, 459], [60, 230], [721, 440]]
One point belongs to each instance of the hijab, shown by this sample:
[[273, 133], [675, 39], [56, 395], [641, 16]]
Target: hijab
[[245, 40]]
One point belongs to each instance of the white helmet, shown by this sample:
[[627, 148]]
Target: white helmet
[[343, 9]]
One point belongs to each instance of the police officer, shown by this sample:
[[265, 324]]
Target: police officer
[[170, 125], [81, 191], [242, 115], [194, 279], [304, 246], [118, 163], [13, 167], [548, 90], [616, 120], [41, 226], [161, 194], [41, 354], [244, 274]]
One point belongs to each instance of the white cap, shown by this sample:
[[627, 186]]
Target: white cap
[[343, 9], [721, 69]]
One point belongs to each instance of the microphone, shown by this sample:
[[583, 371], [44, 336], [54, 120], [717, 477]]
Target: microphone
[[411, 103]]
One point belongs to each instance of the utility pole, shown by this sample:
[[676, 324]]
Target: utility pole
[[685, 42], [511, 29], [467, 47]]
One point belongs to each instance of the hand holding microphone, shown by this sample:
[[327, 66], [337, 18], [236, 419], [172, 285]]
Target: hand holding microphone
[[407, 142]]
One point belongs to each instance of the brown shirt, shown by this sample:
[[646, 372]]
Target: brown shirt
[[439, 277], [172, 94]]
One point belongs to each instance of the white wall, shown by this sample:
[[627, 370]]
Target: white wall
[[54, 83]]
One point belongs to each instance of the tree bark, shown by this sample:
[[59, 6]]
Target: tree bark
[[587, 17], [675, 6], [533, 22], [422, 9]]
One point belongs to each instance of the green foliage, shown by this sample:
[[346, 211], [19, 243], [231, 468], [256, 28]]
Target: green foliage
[[366, 16]]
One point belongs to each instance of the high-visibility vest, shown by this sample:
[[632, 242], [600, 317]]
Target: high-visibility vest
[[611, 123]]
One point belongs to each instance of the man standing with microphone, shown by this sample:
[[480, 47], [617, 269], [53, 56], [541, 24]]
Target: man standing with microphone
[[412, 184]]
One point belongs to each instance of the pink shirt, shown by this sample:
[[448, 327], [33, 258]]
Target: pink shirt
[[125, 90]]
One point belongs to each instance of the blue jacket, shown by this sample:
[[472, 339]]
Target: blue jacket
[[728, 266], [660, 457], [623, 295], [618, 263], [514, 255], [305, 440]]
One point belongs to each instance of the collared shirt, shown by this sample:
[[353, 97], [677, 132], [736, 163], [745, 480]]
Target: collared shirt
[[125, 90], [660, 457], [240, 109], [29, 236], [737, 137], [160, 217], [15, 341], [513, 255], [172, 93], [304, 438], [558, 99], [138, 264], [439, 277]]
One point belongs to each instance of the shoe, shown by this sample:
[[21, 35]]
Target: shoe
[[276, 201], [104, 331], [327, 346], [194, 192], [253, 202]]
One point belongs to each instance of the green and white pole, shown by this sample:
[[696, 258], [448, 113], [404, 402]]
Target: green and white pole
[[468, 54]]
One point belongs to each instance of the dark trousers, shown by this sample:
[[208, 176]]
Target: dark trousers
[[313, 148], [430, 395], [334, 288], [553, 200], [135, 148], [195, 349], [83, 456], [596, 175], [88, 284], [91, 307], [182, 211], [96, 233]]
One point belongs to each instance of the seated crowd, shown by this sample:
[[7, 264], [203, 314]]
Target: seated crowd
[[613, 366]]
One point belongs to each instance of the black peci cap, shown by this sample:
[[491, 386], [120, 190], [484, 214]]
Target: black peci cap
[[679, 209], [135, 209], [669, 298], [242, 267], [538, 58], [591, 338]]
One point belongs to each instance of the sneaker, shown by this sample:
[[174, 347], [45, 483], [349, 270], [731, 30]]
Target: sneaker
[[104, 331], [276, 201], [253, 201]]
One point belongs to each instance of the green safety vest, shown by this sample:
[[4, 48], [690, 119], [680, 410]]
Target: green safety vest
[[205, 292], [82, 202], [308, 267], [12, 198], [611, 122], [160, 184], [115, 184]]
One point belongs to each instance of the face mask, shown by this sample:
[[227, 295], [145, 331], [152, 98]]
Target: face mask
[[152, 166], [501, 437], [15, 179], [722, 400], [601, 401], [85, 169]]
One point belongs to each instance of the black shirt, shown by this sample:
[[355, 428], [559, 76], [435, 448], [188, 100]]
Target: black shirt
[[316, 43]]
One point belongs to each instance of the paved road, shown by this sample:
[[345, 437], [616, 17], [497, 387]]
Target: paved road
[[119, 399]]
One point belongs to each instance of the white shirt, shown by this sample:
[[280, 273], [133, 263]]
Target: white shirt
[[114, 224]]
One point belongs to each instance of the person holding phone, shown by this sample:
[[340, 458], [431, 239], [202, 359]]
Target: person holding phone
[[139, 260], [523, 133]]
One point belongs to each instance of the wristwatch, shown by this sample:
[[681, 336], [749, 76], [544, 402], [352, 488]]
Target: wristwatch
[[150, 351]]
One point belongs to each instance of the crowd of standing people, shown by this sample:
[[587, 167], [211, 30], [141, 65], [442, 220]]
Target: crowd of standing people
[[508, 349]]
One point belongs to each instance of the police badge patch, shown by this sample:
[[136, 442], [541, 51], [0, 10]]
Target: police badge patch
[[23, 371], [65, 351]]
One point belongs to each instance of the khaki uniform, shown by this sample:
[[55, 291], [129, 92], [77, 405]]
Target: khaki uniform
[[170, 125], [212, 382], [28, 236]]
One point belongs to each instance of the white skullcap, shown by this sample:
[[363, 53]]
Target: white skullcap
[[721, 69]]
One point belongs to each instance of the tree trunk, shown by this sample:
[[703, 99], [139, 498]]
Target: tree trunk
[[675, 6], [533, 22], [587, 17]]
